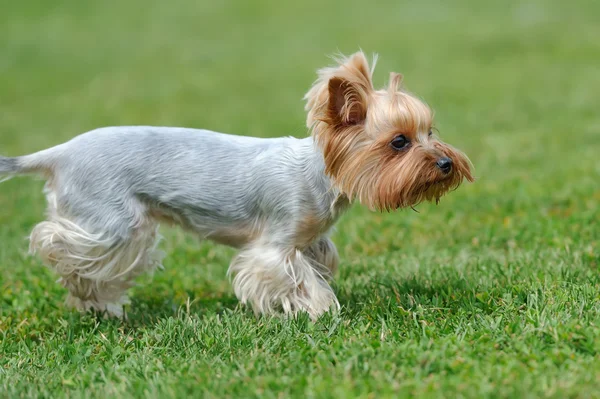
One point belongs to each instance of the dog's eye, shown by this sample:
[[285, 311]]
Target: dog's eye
[[399, 142], [430, 133]]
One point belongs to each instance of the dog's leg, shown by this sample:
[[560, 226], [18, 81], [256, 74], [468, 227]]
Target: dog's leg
[[97, 269], [323, 252], [271, 278]]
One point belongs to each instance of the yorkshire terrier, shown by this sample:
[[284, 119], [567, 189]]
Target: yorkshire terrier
[[275, 200]]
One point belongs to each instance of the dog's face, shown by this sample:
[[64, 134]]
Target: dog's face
[[378, 145]]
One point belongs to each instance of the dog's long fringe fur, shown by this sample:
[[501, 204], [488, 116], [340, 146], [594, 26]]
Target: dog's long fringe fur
[[95, 268], [271, 280]]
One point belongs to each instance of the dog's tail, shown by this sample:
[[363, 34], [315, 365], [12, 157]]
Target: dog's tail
[[8, 165], [42, 161], [8, 168]]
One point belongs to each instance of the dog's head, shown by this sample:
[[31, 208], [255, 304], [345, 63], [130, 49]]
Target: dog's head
[[378, 145]]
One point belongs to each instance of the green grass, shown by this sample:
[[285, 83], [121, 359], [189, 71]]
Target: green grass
[[493, 293]]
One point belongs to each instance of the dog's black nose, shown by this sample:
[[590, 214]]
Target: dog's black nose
[[445, 164]]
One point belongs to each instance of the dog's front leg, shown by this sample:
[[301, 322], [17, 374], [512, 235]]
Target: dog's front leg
[[272, 278]]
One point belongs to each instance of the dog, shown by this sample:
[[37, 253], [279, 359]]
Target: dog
[[275, 200]]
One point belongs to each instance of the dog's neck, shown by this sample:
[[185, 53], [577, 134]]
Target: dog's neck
[[313, 165]]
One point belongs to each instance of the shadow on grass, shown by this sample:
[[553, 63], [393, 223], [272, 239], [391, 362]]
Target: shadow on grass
[[376, 297], [144, 312], [371, 299], [147, 309], [452, 296]]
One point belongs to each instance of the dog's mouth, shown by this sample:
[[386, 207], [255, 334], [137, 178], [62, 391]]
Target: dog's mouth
[[430, 191]]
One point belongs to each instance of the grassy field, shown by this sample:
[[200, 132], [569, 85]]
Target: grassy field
[[493, 293]]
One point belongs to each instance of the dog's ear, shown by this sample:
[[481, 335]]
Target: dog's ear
[[350, 88], [340, 95], [347, 104]]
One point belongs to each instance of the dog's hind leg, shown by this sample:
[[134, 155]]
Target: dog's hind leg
[[96, 269], [96, 266]]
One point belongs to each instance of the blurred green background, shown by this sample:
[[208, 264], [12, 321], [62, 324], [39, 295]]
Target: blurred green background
[[494, 292]]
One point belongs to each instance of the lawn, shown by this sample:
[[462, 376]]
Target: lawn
[[492, 293]]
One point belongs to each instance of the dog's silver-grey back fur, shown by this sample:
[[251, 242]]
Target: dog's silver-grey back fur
[[211, 182]]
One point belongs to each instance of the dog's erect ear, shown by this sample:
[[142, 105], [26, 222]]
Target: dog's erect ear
[[349, 91], [347, 105], [341, 94]]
